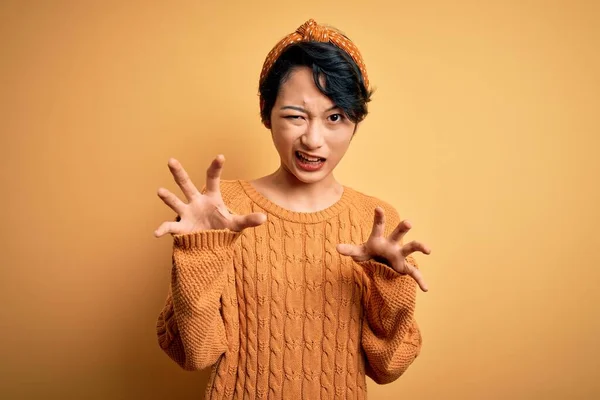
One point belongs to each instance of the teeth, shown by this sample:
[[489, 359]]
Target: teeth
[[310, 159]]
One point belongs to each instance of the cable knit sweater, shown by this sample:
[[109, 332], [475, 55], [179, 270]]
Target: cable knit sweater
[[278, 313]]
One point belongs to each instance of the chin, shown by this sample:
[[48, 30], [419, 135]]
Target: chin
[[309, 177], [313, 178]]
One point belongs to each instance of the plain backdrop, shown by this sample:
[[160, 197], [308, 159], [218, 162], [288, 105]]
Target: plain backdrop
[[483, 131]]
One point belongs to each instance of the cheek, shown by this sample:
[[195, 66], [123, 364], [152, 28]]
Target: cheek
[[340, 145], [283, 139]]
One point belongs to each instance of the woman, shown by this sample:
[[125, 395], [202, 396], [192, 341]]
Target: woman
[[293, 285]]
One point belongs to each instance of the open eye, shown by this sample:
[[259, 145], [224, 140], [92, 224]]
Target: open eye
[[336, 117]]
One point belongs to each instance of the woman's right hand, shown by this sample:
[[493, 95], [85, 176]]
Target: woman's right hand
[[203, 211]]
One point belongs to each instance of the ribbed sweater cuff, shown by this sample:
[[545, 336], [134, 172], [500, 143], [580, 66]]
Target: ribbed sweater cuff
[[379, 269], [209, 239], [384, 270]]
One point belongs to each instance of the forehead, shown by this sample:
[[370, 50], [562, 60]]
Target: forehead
[[300, 90]]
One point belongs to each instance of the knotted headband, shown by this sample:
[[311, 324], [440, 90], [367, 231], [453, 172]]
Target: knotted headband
[[311, 31]]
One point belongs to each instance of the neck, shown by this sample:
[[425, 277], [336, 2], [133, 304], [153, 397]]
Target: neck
[[300, 196], [288, 181]]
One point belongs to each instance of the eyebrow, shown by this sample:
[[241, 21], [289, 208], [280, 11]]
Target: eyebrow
[[296, 108]]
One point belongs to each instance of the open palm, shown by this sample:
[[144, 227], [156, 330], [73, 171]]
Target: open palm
[[388, 250], [203, 211]]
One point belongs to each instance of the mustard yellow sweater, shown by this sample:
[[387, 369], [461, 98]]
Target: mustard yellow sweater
[[278, 313]]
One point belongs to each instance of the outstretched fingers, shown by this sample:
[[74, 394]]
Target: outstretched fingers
[[418, 277], [166, 227], [171, 200], [241, 222], [414, 246], [378, 223], [182, 179], [213, 175], [351, 250], [400, 230]]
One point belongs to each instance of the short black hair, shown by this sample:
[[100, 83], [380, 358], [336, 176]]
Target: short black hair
[[344, 83]]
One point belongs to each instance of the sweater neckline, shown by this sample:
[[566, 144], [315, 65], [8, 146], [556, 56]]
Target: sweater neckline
[[296, 216]]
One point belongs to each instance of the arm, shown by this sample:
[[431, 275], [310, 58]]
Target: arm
[[190, 327], [391, 338]]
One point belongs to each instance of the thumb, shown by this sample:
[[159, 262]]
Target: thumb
[[350, 250], [241, 222]]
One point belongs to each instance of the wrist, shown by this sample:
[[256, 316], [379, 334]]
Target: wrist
[[213, 238]]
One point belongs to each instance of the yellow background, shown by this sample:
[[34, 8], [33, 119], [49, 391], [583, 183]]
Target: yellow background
[[483, 131]]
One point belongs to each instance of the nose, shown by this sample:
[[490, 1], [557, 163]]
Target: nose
[[313, 138]]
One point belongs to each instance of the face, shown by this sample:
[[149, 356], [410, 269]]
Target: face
[[311, 134]]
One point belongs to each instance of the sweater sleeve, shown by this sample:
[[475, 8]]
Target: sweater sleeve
[[190, 327], [391, 339]]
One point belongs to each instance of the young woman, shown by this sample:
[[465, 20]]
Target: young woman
[[293, 285]]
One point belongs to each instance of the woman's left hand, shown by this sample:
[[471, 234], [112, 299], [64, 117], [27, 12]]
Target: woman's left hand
[[388, 250]]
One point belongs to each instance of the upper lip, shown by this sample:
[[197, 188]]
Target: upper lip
[[309, 155]]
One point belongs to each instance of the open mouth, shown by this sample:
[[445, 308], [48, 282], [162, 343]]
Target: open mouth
[[308, 159]]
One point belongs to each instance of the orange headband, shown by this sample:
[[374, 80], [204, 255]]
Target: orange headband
[[311, 31]]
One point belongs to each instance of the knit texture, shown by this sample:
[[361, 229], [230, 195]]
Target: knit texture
[[278, 313]]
